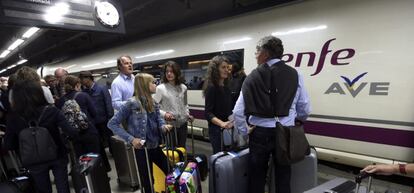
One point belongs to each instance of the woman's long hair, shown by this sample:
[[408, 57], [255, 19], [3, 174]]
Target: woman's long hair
[[142, 91], [176, 70], [213, 72], [27, 97]]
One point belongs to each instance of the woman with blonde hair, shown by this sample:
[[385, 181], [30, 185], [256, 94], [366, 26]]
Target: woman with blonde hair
[[145, 126]]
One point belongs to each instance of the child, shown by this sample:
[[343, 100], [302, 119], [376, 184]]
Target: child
[[145, 126]]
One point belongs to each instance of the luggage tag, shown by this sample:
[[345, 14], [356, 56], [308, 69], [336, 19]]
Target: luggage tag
[[92, 155], [21, 178], [198, 159]]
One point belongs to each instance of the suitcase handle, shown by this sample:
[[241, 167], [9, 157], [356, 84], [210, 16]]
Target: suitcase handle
[[192, 138], [148, 168], [360, 177]]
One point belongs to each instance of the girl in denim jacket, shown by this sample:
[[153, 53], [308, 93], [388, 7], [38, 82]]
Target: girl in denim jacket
[[145, 126]]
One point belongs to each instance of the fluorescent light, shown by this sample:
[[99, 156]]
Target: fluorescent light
[[5, 53], [70, 66], [237, 40], [156, 54], [30, 32], [15, 44], [12, 66], [300, 30], [90, 65], [109, 62], [1, 71], [55, 13], [21, 61]]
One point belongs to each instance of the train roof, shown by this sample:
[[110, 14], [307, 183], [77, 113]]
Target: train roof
[[142, 19]]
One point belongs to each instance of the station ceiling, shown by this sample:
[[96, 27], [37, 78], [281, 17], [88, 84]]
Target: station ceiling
[[143, 18]]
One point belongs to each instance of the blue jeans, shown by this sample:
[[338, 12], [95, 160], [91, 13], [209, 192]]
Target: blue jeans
[[262, 144], [40, 174], [214, 134]]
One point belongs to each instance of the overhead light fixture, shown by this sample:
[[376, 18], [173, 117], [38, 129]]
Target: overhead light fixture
[[70, 66], [300, 30], [30, 32], [21, 61], [12, 66], [4, 70], [155, 54], [4, 53], [90, 65], [15, 44], [109, 62], [237, 40], [56, 13]]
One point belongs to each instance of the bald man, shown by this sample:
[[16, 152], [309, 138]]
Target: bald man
[[60, 75]]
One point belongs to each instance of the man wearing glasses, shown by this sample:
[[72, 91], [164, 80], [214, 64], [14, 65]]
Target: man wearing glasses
[[273, 92]]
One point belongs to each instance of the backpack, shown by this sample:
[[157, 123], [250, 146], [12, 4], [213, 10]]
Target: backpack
[[74, 115], [36, 145]]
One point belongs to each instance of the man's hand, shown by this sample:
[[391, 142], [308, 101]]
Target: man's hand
[[250, 128]]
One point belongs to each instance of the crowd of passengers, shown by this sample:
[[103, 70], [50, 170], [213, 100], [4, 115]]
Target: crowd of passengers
[[140, 112], [142, 108]]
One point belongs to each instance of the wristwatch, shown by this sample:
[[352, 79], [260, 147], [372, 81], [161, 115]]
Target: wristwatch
[[107, 14], [402, 168]]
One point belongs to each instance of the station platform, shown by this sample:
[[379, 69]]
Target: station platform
[[325, 173]]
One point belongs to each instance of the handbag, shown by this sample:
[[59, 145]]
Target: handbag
[[291, 144]]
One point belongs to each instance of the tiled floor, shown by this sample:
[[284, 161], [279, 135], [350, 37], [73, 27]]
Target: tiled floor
[[325, 173]]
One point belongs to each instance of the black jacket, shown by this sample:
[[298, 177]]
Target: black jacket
[[52, 119]]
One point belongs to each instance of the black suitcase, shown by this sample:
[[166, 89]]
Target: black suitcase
[[23, 183], [89, 175], [200, 159]]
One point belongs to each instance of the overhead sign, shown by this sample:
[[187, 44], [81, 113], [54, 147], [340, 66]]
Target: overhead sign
[[82, 15]]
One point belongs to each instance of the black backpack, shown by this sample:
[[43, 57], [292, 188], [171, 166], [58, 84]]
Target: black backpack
[[36, 145]]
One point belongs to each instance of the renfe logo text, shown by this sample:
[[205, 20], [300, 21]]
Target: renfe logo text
[[338, 57]]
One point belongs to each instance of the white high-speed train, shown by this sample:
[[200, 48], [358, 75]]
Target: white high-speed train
[[355, 57]]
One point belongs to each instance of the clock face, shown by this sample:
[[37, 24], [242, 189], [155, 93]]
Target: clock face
[[107, 14]]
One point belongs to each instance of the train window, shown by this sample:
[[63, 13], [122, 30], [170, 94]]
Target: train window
[[193, 68]]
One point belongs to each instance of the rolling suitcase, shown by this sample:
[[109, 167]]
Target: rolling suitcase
[[175, 168], [21, 182], [184, 177], [303, 176], [148, 170], [89, 176], [126, 169], [200, 159], [228, 169], [173, 153], [229, 172], [342, 185]]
